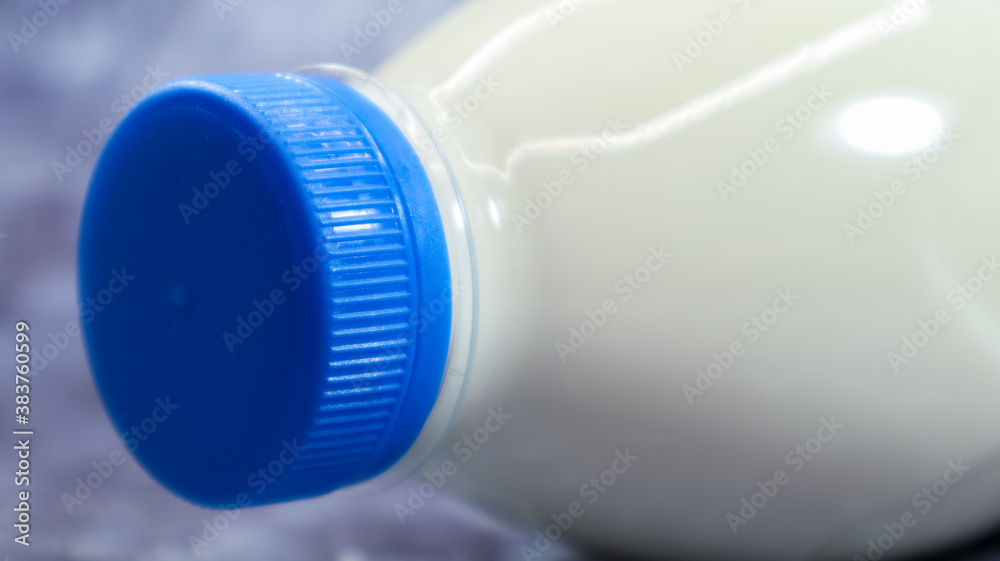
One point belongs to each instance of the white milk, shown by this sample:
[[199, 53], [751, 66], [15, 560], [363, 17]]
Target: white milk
[[740, 333]]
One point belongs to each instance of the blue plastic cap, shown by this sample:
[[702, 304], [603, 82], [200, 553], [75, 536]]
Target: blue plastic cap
[[254, 256]]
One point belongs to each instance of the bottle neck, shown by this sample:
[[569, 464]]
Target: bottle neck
[[461, 297]]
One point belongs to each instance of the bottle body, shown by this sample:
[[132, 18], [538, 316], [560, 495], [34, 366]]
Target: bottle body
[[684, 278]]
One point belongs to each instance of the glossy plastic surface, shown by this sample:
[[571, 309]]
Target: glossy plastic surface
[[821, 176]]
